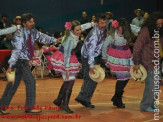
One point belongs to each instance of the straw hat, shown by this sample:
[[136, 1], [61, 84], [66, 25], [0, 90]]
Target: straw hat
[[141, 11], [18, 17], [109, 13], [141, 75], [11, 76], [99, 74]]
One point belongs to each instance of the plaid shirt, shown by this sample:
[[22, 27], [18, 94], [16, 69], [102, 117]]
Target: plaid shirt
[[143, 52]]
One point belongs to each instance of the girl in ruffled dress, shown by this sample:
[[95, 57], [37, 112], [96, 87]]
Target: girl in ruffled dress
[[36, 60], [64, 61], [49, 50], [117, 56]]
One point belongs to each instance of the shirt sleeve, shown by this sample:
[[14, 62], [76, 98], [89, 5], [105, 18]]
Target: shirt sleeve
[[107, 42], [9, 30], [43, 38], [87, 26], [139, 44], [91, 50], [17, 43], [67, 53]]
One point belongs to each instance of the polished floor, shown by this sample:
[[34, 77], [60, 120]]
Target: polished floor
[[47, 90]]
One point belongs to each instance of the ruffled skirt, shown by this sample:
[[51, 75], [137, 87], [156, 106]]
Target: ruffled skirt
[[119, 61], [58, 64]]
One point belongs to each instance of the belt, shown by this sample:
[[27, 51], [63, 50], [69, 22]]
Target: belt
[[124, 47], [61, 49]]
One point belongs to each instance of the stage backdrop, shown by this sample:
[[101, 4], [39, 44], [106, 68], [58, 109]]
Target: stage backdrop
[[52, 14]]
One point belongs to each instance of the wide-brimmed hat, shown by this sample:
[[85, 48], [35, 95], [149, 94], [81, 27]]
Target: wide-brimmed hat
[[109, 13], [140, 75], [141, 11], [18, 17], [99, 74], [11, 76]]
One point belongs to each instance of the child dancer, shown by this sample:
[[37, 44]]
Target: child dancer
[[64, 61], [36, 60], [48, 51], [117, 56]]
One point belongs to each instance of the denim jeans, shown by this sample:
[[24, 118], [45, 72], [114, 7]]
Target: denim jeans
[[148, 96]]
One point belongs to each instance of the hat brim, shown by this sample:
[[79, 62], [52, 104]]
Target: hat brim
[[101, 74], [139, 10], [143, 70], [11, 76]]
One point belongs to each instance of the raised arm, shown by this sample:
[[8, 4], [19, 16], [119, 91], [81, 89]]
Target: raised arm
[[9, 30], [87, 25], [43, 38]]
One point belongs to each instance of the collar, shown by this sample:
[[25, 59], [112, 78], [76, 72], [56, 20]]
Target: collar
[[118, 34], [99, 30], [26, 31], [74, 36]]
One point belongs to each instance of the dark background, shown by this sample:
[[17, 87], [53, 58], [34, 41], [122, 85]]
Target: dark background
[[52, 14]]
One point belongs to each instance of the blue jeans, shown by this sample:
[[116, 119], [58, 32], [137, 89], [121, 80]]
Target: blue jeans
[[148, 96]]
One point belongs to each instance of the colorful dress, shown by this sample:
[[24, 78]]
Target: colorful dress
[[37, 58], [65, 59], [118, 56], [47, 51]]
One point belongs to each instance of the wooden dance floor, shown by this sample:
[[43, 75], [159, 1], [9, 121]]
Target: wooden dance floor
[[47, 90]]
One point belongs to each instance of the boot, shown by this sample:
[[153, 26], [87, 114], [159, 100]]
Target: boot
[[58, 101], [66, 98], [114, 99], [117, 98], [117, 101]]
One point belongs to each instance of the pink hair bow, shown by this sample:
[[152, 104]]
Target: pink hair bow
[[115, 24], [68, 25]]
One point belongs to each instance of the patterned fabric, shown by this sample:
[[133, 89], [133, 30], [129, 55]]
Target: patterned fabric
[[143, 52], [92, 46], [65, 59], [9, 30], [59, 67], [118, 56], [37, 58], [119, 62], [47, 51], [20, 44]]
